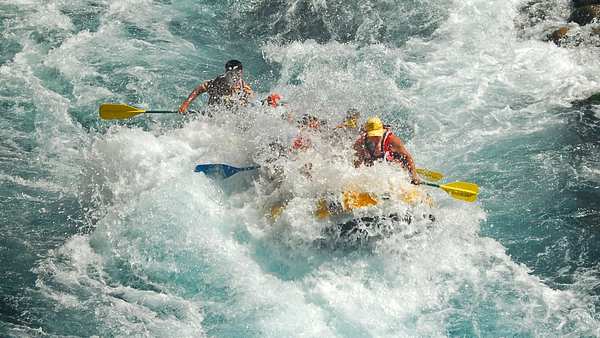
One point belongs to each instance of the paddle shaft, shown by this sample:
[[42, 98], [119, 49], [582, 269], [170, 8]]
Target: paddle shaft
[[248, 168], [430, 174], [160, 112], [430, 184]]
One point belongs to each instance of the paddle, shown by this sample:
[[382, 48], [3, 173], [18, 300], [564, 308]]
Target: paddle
[[119, 111], [221, 170], [430, 174], [231, 170], [464, 191]]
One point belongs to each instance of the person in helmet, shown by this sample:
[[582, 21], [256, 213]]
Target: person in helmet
[[378, 143], [226, 89], [273, 100]]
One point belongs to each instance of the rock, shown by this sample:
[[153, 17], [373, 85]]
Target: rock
[[585, 14], [559, 34], [594, 99], [581, 3]]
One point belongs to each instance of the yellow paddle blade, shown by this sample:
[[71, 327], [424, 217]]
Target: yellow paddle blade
[[118, 111], [354, 200], [430, 175], [464, 191]]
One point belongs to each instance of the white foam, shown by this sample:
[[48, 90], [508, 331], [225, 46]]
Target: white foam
[[173, 250]]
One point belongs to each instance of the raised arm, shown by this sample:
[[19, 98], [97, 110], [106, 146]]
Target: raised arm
[[203, 87], [398, 146]]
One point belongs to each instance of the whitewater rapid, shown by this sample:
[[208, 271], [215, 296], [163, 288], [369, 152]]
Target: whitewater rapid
[[109, 232]]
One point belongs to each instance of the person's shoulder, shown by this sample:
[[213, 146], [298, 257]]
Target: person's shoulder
[[207, 83], [394, 139], [216, 82], [219, 78]]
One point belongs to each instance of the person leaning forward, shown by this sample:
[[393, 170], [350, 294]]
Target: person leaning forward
[[378, 143], [226, 89]]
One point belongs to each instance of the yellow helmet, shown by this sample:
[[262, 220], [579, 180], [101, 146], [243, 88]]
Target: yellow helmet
[[374, 127]]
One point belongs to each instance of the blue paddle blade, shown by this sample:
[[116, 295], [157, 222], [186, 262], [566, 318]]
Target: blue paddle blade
[[220, 170]]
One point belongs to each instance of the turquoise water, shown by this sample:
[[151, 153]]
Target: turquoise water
[[107, 231]]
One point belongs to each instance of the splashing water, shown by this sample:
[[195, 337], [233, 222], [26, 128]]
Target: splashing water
[[108, 231]]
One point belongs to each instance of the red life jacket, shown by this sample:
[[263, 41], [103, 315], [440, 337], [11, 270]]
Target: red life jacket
[[385, 152]]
